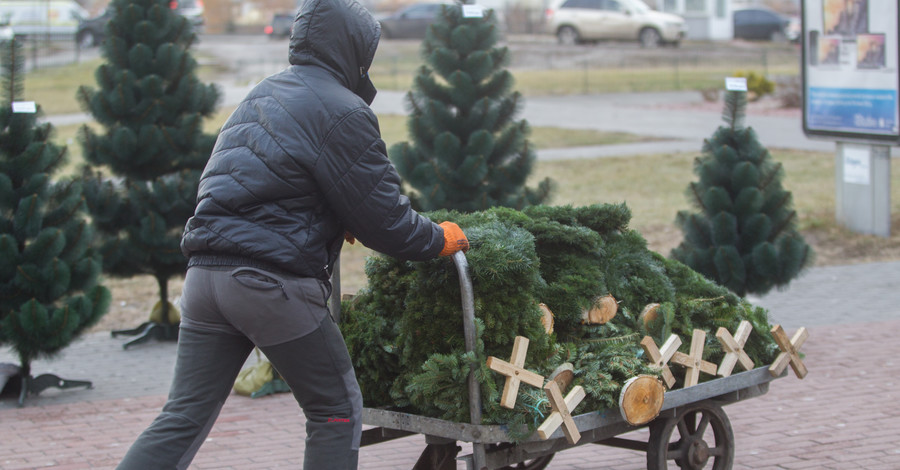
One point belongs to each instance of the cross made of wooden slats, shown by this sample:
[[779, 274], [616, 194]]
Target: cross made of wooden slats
[[694, 362], [660, 357], [515, 372], [790, 351], [562, 412], [734, 348]]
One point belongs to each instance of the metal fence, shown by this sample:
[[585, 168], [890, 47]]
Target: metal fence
[[49, 50], [540, 66]]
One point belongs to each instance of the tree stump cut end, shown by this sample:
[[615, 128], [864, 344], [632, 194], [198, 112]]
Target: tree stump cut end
[[641, 399], [603, 310]]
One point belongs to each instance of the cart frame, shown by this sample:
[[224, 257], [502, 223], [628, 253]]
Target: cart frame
[[493, 449]]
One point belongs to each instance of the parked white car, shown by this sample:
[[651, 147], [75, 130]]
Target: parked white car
[[42, 17], [577, 21]]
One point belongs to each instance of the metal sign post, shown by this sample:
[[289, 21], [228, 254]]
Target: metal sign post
[[851, 84], [863, 184]]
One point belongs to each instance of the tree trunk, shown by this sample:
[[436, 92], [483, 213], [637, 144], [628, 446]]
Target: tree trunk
[[163, 283]]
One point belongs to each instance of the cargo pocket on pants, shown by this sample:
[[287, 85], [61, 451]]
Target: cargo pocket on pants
[[269, 308], [259, 280]]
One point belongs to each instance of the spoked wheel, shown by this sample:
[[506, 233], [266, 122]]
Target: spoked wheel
[[704, 439], [539, 463]]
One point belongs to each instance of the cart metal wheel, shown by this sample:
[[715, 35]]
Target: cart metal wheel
[[704, 440], [539, 463]]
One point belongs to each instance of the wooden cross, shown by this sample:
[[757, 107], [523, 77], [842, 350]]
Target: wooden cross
[[659, 358], [694, 362], [734, 348], [514, 372], [790, 351], [561, 414]]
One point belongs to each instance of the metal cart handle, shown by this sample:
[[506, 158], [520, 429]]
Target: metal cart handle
[[468, 306]]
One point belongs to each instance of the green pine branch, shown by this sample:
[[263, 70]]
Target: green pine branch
[[12, 76], [735, 109]]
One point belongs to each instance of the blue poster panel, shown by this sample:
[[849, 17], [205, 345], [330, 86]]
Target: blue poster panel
[[850, 69], [852, 110]]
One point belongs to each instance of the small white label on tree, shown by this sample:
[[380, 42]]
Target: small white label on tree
[[856, 165], [736, 83], [472, 11], [24, 107]]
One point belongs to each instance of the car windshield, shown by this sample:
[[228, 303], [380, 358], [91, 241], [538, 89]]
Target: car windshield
[[640, 6]]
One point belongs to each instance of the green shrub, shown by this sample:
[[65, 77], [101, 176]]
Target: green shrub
[[757, 85]]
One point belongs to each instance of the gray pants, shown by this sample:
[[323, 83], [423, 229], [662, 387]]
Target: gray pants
[[225, 311]]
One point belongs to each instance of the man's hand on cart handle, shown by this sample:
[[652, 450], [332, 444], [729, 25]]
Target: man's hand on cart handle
[[454, 239]]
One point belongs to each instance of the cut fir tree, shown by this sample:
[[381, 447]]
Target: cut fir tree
[[404, 330], [151, 106], [49, 289], [744, 234], [467, 152]]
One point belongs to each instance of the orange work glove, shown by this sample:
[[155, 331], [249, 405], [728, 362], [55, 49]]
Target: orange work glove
[[454, 239]]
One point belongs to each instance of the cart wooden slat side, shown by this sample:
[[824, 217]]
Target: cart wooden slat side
[[595, 426], [725, 390]]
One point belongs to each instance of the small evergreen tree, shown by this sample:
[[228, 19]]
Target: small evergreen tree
[[467, 153], [151, 105], [49, 290], [744, 235]]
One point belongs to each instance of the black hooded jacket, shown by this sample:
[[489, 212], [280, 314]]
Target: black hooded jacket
[[301, 161]]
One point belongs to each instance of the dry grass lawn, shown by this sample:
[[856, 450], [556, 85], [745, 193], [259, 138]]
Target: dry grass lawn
[[654, 197]]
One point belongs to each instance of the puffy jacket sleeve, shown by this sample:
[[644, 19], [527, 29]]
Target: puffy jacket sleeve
[[361, 185]]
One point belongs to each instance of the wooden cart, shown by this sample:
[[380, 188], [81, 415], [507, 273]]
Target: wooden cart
[[691, 431]]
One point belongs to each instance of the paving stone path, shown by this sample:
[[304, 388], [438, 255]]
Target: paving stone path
[[843, 415]]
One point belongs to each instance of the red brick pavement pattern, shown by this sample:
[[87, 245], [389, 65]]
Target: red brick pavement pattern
[[844, 415]]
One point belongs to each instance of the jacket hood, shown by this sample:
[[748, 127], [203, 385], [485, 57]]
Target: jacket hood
[[340, 36]]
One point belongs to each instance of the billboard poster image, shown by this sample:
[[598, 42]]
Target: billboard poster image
[[845, 17], [870, 51], [850, 69]]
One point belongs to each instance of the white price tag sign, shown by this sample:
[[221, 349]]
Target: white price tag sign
[[472, 11], [857, 163], [736, 83], [24, 107]]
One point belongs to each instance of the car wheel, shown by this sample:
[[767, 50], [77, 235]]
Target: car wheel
[[568, 36], [649, 37], [86, 40]]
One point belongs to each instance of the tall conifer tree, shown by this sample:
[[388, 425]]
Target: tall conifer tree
[[467, 153], [744, 235], [49, 290], [153, 147]]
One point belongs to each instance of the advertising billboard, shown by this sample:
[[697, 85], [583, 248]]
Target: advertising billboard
[[850, 70]]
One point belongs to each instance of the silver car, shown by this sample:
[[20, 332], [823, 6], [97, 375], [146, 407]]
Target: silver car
[[410, 22], [192, 10], [577, 21]]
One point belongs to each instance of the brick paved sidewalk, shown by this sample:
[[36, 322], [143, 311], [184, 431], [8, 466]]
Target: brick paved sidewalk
[[844, 415]]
